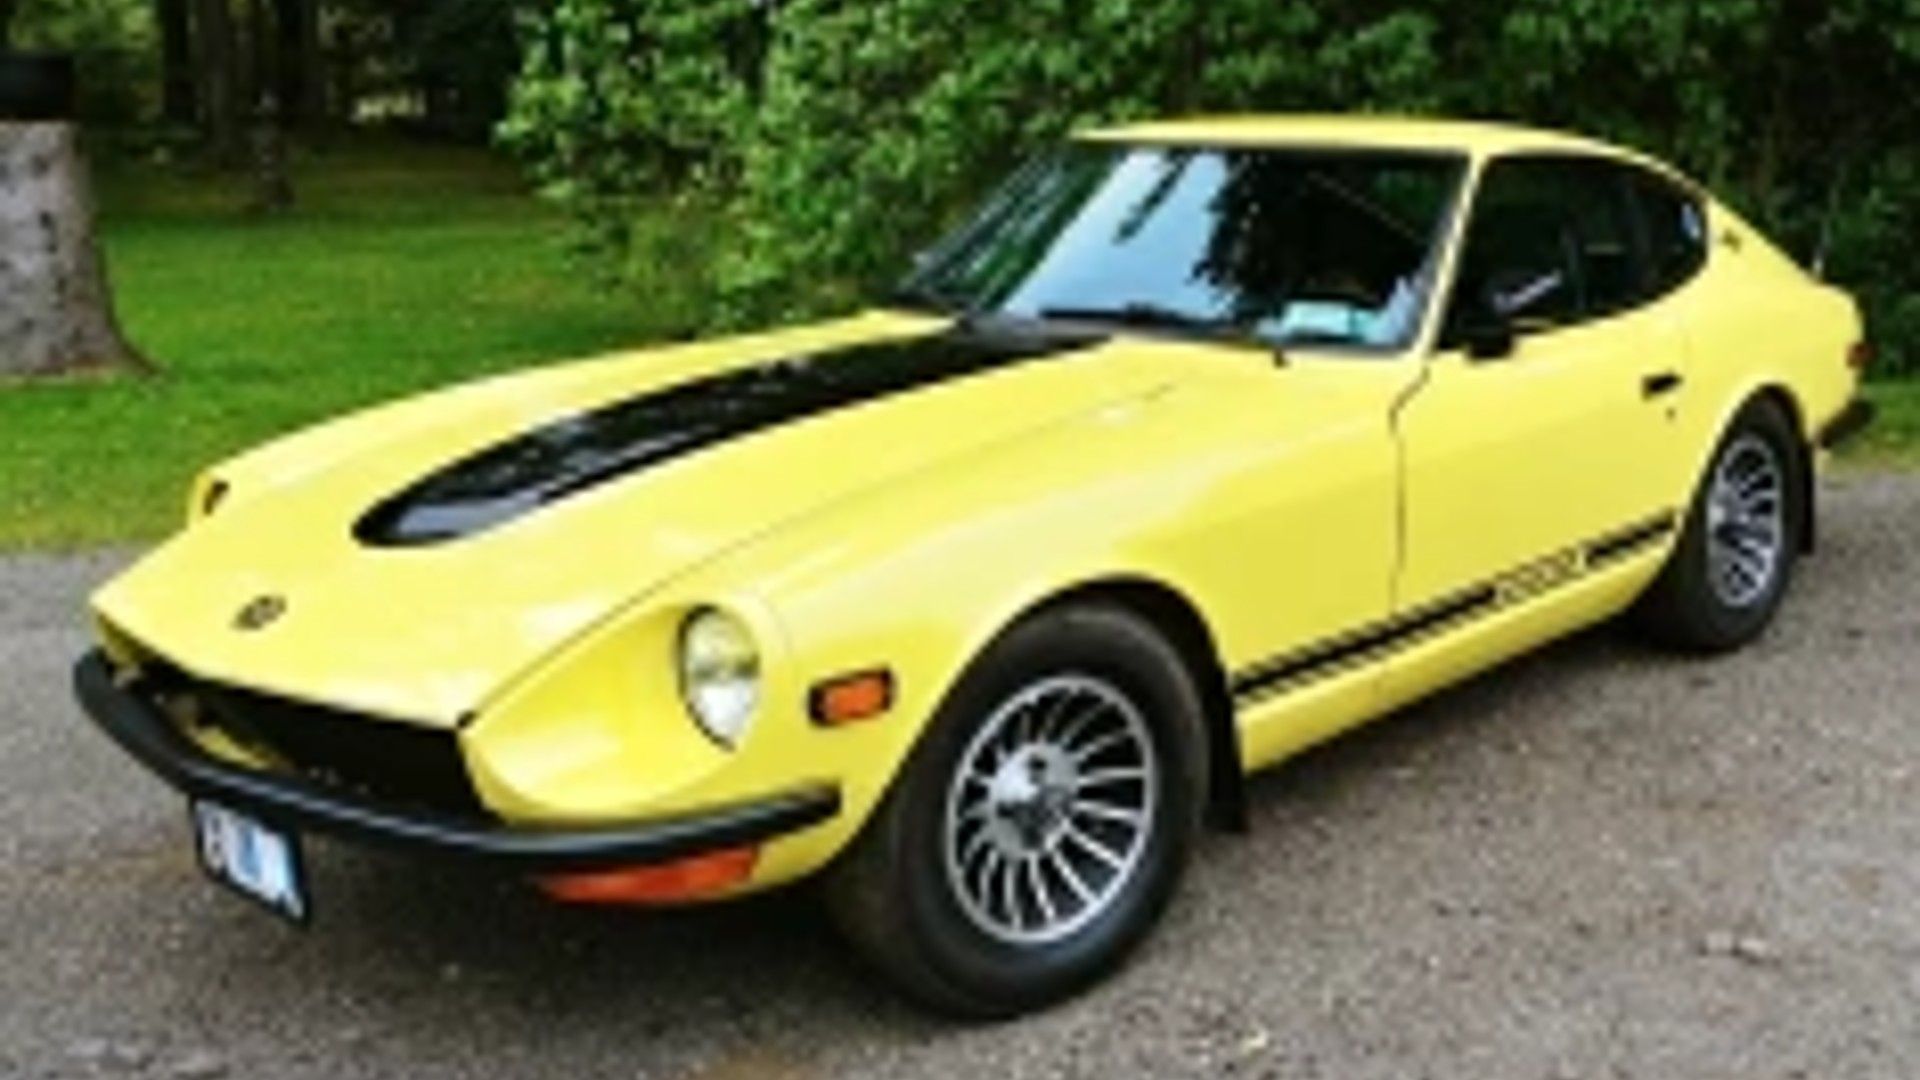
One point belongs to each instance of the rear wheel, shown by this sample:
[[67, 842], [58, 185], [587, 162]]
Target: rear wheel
[[1727, 575], [1039, 828]]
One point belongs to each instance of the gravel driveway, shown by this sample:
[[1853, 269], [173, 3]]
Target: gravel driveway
[[1597, 862]]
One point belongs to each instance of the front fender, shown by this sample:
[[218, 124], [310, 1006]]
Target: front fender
[[919, 582]]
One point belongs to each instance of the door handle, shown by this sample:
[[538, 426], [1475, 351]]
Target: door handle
[[1660, 382]]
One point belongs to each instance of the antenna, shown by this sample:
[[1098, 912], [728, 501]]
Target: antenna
[[1819, 263]]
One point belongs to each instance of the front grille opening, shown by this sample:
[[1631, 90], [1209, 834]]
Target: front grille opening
[[384, 760]]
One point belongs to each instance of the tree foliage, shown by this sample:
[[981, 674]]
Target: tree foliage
[[837, 135], [112, 42], [441, 65]]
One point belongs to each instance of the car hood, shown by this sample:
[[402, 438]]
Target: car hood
[[406, 562]]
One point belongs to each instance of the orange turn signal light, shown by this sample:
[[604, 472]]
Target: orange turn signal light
[[847, 698], [696, 877]]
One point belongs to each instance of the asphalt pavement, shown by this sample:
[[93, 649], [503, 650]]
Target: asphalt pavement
[[1597, 862]]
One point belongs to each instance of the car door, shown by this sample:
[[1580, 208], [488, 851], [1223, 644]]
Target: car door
[[1290, 536], [1544, 439]]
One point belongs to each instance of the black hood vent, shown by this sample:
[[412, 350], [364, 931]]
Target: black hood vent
[[549, 463]]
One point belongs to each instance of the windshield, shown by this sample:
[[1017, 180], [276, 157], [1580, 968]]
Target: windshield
[[1326, 247]]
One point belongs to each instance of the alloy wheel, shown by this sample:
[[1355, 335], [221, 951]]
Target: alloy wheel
[[1051, 810], [1746, 522]]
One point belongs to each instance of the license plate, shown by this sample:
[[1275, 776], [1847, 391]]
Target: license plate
[[259, 861]]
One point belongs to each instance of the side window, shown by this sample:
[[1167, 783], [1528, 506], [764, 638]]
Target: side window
[[1675, 227], [1518, 264], [1603, 229], [1552, 242]]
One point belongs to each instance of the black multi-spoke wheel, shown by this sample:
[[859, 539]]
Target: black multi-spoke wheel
[[1735, 557], [1038, 829]]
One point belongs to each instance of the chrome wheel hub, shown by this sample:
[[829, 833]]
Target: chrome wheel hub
[[1051, 809], [1029, 800], [1746, 522]]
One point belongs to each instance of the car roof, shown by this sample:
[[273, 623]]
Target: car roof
[[1476, 137]]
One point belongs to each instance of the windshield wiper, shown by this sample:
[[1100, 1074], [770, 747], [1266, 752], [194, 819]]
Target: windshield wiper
[[1134, 314], [920, 296], [1157, 317]]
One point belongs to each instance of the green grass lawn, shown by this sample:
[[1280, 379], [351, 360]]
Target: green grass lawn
[[401, 269], [1894, 438]]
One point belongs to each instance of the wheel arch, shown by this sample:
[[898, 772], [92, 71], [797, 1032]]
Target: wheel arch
[[1781, 394], [1175, 616], [1784, 398]]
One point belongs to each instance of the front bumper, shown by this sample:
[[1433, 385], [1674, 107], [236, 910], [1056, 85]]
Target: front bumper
[[293, 802]]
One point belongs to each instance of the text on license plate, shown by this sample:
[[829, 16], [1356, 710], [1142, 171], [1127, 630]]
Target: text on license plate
[[257, 859]]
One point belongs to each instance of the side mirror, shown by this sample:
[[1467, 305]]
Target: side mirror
[[1489, 339]]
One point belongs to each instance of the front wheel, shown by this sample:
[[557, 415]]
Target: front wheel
[[1037, 831], [1729, 571]]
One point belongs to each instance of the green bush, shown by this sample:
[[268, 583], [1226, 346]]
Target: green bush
[[836, 136]]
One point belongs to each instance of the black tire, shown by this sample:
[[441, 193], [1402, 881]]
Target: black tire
[[893, 895], [1684, 608]]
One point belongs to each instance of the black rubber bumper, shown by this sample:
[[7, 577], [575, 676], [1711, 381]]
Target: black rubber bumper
[[294, 803], [1851, 421]]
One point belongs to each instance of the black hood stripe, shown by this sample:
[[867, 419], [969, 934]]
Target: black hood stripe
[[568, 456]]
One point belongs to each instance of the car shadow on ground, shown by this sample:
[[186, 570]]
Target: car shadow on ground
[[395, 926], [1557, 836]]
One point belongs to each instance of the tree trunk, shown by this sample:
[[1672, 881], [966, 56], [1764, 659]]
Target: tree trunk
[[260, 42], [302, 96], [179, 102], [219, 79], [346, 50], [55, 311]]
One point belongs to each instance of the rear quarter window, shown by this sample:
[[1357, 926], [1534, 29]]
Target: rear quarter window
[[1674, 225]]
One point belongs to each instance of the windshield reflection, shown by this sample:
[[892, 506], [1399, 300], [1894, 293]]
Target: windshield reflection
[[1327, 247]]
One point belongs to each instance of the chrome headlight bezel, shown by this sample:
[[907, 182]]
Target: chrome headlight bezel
[[719, 667]]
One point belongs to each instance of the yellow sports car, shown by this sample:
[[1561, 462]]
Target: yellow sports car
[[1200, 442]]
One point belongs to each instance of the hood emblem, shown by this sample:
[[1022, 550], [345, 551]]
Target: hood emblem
[[260, 612]]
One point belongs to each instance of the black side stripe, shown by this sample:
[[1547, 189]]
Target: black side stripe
[[1629, 540], [1356, 648], [1370, 644]]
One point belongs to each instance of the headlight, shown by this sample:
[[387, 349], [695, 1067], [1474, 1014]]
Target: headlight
[[719, 673]]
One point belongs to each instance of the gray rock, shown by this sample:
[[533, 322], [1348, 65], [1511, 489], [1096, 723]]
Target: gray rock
[[198, 1065], [1719, 943], [1755, 950], [126, 1056], [88, 1051]]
